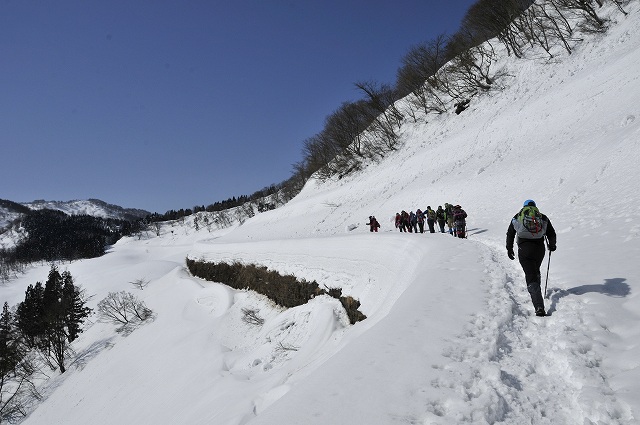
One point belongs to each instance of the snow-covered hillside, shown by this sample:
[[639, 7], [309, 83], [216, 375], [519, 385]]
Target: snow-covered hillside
[[450, 336], [7, 217], [12, 213], [9, 213], [92, 207]]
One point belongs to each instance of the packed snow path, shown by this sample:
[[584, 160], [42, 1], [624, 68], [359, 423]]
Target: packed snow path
[[506, 365], [450, 338], [517, 368]]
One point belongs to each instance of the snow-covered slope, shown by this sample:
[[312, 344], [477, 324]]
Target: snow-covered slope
[[450, 335], [7, 217], [11, 213], [92, 207]]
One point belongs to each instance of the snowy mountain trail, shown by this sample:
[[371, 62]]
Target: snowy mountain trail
[[450, 335], [523, 368], [504, 366]]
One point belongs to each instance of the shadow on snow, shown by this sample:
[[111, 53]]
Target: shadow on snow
[[616, 287]]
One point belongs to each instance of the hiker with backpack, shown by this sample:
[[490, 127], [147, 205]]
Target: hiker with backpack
[[420, 218], [373, 224], [531, 227], [431, 219], [406, 224], [413, 222], [448, 215], [459, 221], [399, 222], [440, 217]]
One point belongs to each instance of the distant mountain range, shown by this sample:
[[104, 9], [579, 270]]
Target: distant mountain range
[[10, 211]]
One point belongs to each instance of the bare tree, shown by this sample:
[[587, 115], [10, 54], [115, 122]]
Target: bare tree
[[252, 317], [221, 219], [319, 152], [418, 75], [547, 26], [381, 100], [140, 283], [282, 347], [620, 5], [493, 18], [344, 128], [592, 20], [17, 389], [244, 212], [17, 371], [156, 227], [385, 118], [123, 308]]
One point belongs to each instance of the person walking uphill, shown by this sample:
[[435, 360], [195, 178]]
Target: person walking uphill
[[531, 227], [441, 217], [448, 215], [459, 221], [373, 224], [406, 222], [420, 218], [431, 219], [413, 222]]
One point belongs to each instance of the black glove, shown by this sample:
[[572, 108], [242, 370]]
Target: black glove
[[511, 255], [552, 248]]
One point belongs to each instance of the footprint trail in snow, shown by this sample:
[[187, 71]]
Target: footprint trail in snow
[[511, 367]]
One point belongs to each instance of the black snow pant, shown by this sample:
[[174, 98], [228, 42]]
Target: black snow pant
[[421, 226], [460, 226], [530, 255], [431, 222], [441, 224]]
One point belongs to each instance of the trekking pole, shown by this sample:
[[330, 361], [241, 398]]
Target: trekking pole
[[548, 264], [547, 281]]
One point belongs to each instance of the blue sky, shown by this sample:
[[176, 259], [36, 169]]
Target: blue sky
[[169, 104]]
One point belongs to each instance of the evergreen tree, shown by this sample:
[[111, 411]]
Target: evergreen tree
[[65, 312], [16, 371], [30, 315], [10, 353], [54, 319], [74, 305], [50, 318]]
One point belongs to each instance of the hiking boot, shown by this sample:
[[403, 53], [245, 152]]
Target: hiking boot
[[540, 311]]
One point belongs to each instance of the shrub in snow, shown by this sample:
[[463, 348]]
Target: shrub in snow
[[286, 291], [252, 317]]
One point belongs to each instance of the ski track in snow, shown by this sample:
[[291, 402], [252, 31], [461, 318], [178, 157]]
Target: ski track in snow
[[525, 369]]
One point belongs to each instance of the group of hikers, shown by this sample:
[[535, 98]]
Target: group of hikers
[[529, 228], [453, 216]]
